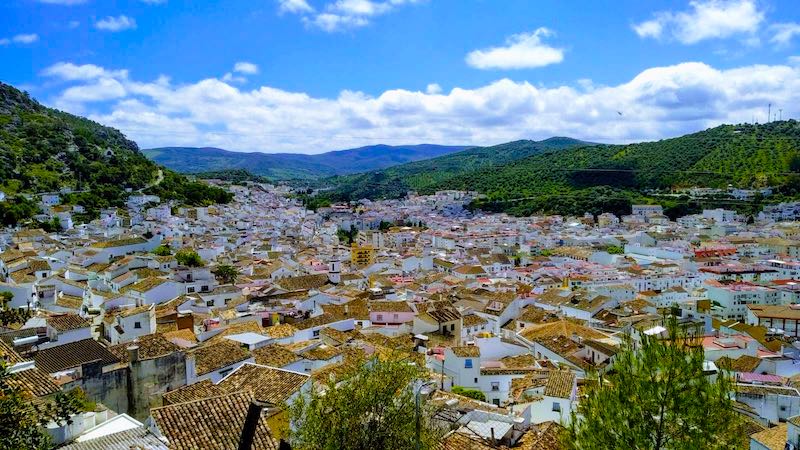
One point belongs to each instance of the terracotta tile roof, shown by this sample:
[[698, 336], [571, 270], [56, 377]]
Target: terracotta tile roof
[[217, 355], [146, 284], [274, 356], [282, 330], [519, 361], [357, 309], [744, 363], [338, 337], [119, 242], [67, 322], [34, 382], [137, 438], [212, 423], [303, 282], [472, 320], [73, 354], [471, 351], [772, 438], [69, 301], [460, 441], [8, 353], [200, 390], [185, 334], [561, 328], [268, 384], [150, 346], [544, 436], [250, 326], [390, 306], [321, 353], [560, 384], [317, 321]]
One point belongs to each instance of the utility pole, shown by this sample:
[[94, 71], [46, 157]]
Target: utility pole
[[418, 414], [780, 114], [769, 112]]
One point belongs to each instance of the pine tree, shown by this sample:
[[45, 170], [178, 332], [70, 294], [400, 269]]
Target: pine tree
[[657, 397]]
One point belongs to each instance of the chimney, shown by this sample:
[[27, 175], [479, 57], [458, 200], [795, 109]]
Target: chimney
[[133, 353], [191, 370], [251, 424]]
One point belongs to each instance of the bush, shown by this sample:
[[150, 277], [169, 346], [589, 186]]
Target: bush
[[471, 393]]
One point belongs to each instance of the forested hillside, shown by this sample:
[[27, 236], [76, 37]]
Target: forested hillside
[[579, 178], [44, 150], [428, 175]]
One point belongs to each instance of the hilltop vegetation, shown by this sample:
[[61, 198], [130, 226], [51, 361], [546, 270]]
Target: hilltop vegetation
[[428, 175], [573, 179], [236, 176], [46, 150], [285, 166]]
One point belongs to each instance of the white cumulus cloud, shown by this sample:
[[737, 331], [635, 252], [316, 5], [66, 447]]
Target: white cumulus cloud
[[114, 24], [340, 15], [72, 72], [656, 103], [783, 33], [294, 6], [705, 19], [26, 38], [245, 67], [522, 51]]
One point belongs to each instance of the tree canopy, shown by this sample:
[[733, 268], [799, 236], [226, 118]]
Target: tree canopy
[[21, 420], [189, 258], [370, 406], [227, 273], [657, 396]]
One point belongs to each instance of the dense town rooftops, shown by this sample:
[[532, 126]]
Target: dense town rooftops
[[72, 355], [214, 422]]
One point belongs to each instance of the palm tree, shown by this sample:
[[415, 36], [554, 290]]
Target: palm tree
[[227, 273]]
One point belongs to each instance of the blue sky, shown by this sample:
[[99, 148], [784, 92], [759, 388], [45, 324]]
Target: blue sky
[[315, 75]]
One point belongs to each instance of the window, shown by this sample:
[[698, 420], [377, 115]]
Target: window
[[476, 381], [203, 288], [452, 327], [495, 385], [316, 333], [496, 401], [396, 316], [468, 363], [210, 303], [190, 289], [380, 317], [137, 325], [556, 406]]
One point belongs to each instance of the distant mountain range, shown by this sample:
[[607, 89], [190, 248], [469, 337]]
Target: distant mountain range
[[566, 176], [436, 173], [283, 166]]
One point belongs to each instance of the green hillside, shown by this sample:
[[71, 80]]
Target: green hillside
[[44, 150], [598, 178], [430, 174]]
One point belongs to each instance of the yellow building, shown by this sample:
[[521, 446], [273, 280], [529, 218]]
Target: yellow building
[[362, 255]]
